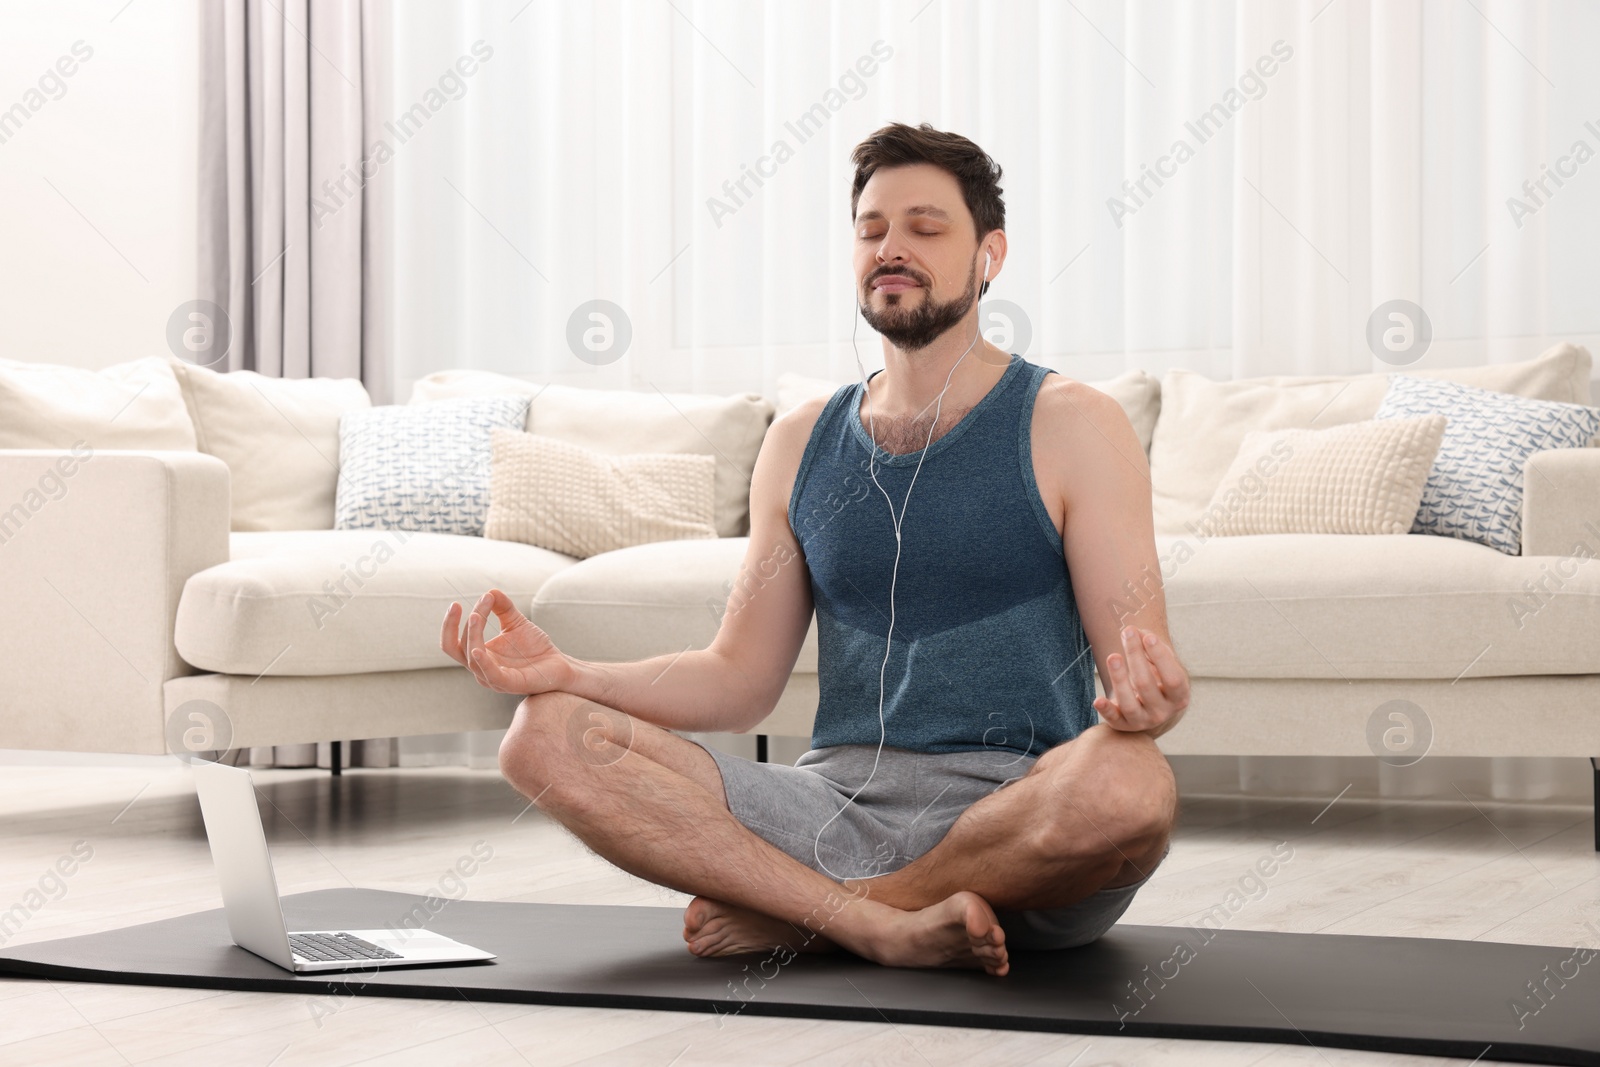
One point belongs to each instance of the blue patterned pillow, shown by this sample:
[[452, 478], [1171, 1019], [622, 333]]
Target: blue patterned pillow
[[1474, 491], [420, 467]]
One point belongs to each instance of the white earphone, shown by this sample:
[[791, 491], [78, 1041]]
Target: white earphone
[[883, 730]]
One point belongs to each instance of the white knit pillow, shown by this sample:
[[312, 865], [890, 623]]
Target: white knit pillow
[[1358, 478], [570, 499]]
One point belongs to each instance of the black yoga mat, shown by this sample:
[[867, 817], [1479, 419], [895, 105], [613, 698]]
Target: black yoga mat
[[1385, 994]]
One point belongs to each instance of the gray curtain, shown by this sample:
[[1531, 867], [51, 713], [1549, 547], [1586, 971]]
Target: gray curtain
[[294, 206], [294, 242]]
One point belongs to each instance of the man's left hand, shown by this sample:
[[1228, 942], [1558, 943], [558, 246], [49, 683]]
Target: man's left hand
[[1149, 687]]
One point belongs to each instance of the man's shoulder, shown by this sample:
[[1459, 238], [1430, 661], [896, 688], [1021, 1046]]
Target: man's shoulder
[[791, 430], [1071, 408], [778, 462], [1083, 440]]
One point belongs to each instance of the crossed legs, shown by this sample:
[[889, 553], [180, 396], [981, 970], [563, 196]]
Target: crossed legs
[[1090, 813]]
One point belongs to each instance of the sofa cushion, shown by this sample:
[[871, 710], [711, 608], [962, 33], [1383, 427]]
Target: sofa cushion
[[1202, 422], [623, 421], [314, 602], [1138, 392], [647, 600], [1264, 606], [135, 405], [279, 438], [1327, 606], [795, 389], [1345, 606]]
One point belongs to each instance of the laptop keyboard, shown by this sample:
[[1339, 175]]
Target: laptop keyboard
[[325, 948]]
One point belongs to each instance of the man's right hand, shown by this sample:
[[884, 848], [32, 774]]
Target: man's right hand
[[520, 659]]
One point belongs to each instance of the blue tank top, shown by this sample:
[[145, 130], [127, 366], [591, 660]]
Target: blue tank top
[[988, 650]]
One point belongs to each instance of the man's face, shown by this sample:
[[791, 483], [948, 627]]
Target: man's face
[[915, 256]]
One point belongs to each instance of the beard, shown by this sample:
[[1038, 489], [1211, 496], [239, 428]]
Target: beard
[[912, 329]]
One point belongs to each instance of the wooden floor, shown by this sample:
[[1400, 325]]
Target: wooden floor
[[1518, 873]]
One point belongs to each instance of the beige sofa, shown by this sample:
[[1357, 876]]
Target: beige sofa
[[133, 590]]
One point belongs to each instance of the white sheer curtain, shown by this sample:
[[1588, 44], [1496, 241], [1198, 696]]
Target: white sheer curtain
[[581, 161], [1375, 162], [1386, 168], [1355, 152]]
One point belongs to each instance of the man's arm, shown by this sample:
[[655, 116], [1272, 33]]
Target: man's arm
[[1110, 549], [735, 682], [731, 685]]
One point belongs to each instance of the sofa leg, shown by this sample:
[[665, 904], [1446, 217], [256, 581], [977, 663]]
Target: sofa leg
[[761, 757], [1594, 761], [336, 756]]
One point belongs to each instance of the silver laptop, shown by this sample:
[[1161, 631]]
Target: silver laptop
[[250, 894]]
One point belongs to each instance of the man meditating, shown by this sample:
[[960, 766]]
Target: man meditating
[[974, 534]]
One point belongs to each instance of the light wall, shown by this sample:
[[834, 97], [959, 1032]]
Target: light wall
[[99, 182]]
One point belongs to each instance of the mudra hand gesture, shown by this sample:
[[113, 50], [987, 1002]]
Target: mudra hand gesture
[[521, 658], [1148, 686]]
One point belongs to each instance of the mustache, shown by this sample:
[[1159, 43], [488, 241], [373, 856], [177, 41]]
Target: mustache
[[896, 272]]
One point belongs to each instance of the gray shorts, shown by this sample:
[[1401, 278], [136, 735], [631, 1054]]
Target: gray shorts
[[909, 804]]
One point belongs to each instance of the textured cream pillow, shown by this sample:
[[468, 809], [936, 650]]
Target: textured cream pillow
[[1203, 422], [279, 438], [619, 422], [570, 499], [132, 405], [1359, 478]]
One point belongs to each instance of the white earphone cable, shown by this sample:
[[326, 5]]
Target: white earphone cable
[[883, 731]]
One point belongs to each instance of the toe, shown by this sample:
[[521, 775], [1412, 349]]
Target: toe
[[705, 945], [699, 910]]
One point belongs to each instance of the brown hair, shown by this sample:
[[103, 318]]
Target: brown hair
[[898, 144]]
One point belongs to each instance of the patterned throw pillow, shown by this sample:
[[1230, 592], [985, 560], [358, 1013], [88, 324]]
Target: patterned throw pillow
[[572, 500], [1474, 490], [423, 467]]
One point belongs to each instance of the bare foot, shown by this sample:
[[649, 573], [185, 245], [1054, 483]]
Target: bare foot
[[715, 928], [959, 931]]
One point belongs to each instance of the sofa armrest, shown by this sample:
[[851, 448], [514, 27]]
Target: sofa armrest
[[95, 548], [1561, 503]]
